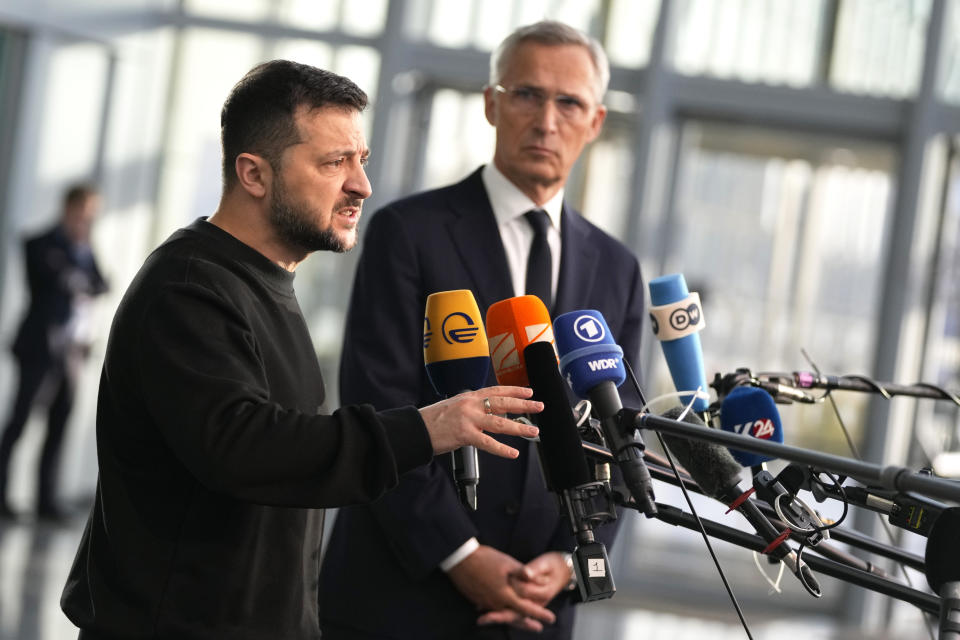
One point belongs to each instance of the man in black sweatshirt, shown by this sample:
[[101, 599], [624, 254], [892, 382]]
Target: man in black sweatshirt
[[214, 462]]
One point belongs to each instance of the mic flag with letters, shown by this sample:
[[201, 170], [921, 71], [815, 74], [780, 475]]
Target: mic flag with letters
[[456, 354], [512, 324], [752, 412], [455, 347], [676, 317]]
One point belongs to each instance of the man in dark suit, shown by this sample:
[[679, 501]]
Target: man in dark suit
[[416, 563], [54, 338]]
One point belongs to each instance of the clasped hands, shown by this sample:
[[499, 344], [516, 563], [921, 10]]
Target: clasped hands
[[508, 591]]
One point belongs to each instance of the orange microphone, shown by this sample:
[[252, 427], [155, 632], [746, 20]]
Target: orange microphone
[[512, 324]]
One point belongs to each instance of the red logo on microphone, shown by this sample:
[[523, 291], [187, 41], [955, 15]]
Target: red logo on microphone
[[763, 429]]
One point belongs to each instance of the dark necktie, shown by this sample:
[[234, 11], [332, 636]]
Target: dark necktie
[[539, 263]]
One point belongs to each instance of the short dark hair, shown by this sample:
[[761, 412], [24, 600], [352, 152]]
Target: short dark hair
[[77, 193], [258, 115]]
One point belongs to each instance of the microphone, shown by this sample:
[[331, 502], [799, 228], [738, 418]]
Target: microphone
[[455, 353], [593, 365], [512, 324], [942, 564], [586, 502], [560, 444], [718, 474], [750, 411], [676, 317]]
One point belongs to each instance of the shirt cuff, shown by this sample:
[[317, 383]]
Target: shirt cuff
[[460, 554]]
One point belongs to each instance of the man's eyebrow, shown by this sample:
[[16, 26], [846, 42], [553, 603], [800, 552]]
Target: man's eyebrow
[[347, 152]]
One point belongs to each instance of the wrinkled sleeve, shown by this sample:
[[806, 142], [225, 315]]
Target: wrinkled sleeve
[[204, 388]]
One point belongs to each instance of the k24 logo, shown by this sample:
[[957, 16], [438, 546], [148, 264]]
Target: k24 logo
[[762, 428]]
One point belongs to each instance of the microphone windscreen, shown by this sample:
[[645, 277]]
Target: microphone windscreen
[[941, 560], [674, 311], [512, 324], [712, 466], [560, 444], [454, 343], [751, 411], [588, 353]]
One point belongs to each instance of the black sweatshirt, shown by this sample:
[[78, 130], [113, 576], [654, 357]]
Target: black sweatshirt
[[214, 462]]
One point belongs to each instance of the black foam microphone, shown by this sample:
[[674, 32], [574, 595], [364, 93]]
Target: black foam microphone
[[942, 562], [718, 474], [585, 501], [560, 443]]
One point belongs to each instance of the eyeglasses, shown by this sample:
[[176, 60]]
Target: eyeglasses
[[528, 100]]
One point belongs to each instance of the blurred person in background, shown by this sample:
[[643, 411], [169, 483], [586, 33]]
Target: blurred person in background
[[416, 563], [54, 339]]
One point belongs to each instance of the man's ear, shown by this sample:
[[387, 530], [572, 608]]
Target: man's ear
[[254, 174], [490, 105], [596, 123]]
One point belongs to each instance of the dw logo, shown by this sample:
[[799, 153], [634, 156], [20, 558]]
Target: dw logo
[[680, 319], [459, 327]]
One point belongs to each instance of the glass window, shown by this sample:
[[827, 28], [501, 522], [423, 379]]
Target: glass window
[[936, 427], [782, 235], [312, 52], [309, 14], [483, 25], [879, 46], [72, 116], [630, 25], [363, 18], [456, 116], [252, 10], [769, 41], [356, 17], [607, 172], [950, 55], [211, 62]]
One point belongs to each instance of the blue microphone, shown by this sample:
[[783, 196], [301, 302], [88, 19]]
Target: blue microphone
[[589, 356], [676, 317], [752, 412], [592, 362]]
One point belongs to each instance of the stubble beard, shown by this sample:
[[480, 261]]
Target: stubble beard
[[294, 224]]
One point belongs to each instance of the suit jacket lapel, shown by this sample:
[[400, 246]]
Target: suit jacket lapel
[[578, 264], [476, 236]]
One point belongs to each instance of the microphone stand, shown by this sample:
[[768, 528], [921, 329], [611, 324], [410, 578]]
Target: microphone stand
[[788, 387], [889, 477], [808, 380], [853, 538], [660, 470], [677, 517]]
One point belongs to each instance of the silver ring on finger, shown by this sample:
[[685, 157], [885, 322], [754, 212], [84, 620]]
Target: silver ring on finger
[[486, 406]]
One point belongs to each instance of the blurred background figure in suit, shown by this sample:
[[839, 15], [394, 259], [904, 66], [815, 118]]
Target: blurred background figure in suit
[[54, 338]]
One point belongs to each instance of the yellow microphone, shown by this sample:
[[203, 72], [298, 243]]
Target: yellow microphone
[[457, 358], [455, 348]]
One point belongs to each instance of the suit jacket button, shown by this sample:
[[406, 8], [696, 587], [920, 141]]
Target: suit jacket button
[[512, 508]]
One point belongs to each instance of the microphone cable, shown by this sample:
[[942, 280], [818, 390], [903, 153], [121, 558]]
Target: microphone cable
[[806, 532], [686, 496], [856, 454]]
